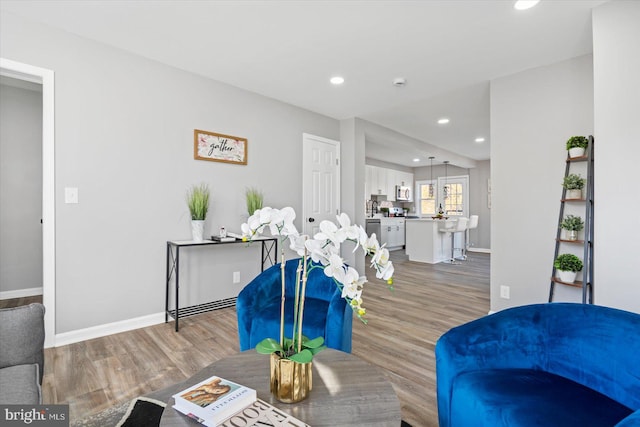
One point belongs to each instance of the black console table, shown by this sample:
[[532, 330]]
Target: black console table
[[268, 258]]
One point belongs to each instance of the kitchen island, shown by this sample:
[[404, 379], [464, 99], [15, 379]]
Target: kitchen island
[[424, 243]]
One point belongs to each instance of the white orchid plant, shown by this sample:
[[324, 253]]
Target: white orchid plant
[[321, 251]]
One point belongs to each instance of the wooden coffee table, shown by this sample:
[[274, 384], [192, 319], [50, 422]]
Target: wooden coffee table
[[347, 391]]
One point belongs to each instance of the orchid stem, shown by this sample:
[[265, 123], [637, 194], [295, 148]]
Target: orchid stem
[[296, 302], [282, 265], [302, 293]]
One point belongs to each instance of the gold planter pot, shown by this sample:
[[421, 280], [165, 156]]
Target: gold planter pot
[[290, 381]]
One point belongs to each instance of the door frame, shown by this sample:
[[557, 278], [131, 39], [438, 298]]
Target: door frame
[[465, 178], [306, 152], [45, 77]]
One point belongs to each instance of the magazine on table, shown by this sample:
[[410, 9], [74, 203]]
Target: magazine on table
[[216, 402], [213, 400], [261, 413]]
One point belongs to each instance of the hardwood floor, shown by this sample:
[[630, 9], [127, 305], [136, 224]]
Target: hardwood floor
[[16, 302], [404, 325]]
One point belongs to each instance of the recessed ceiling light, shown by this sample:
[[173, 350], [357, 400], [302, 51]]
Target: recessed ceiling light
[[443, 121], [337, 80], [416, 159], [480, 139], [525, 4]]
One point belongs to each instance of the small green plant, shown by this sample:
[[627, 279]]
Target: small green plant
[[198, 201], [573, 182], [572, 223], [568, 262], [577, 142], [254, 199]]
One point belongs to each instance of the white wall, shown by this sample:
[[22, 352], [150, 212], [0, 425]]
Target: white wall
[[480, 238], [20, 191], [533, 113], [616, 51], [352, 174], [124, 137]]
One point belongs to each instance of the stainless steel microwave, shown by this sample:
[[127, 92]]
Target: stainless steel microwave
[[403, 193]]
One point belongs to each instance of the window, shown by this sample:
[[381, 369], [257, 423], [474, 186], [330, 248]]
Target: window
[[426, 199], [453, 196]]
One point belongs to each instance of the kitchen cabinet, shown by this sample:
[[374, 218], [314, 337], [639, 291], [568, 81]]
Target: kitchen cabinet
[[391, 184], [382, 182], [382, 179], [392, 232], [404, 178], [375, 181]]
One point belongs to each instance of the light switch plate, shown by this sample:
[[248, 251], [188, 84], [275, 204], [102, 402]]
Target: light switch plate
[[71, 195]]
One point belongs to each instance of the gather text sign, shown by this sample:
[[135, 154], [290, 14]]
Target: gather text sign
[[216, 147]]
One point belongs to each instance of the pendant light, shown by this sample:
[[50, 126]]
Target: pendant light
[[445, 188], [431, 192]]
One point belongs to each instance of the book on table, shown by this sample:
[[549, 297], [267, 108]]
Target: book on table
[[261, 413], [216, 402], [213, 400], [223, 239]]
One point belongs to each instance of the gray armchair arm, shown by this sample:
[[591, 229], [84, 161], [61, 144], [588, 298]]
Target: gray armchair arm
[[22, 336]]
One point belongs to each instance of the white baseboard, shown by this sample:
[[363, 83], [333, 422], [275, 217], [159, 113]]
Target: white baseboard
[[108, 329], [21, 293], [481, 250]]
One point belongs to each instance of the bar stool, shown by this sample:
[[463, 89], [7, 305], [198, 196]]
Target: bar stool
[[459, 227], [473, 223]]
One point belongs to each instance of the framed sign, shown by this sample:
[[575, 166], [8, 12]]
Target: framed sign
[[216, 147]]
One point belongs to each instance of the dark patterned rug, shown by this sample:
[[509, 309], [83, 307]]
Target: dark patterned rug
[[144, 411]]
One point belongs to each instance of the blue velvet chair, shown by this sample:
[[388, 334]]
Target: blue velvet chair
[[326, 313], [557, 364]]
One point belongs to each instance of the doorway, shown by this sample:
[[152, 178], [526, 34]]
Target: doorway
[[44, 77], [320, 182], [20, 192]]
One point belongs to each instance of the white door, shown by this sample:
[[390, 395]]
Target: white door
[[320, 182], [454, 195]]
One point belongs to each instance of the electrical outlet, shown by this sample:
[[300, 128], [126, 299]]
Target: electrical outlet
[[505, 292], [236, 277]]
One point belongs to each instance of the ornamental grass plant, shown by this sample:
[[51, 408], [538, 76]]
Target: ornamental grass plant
[[198, 201], [254, 199]]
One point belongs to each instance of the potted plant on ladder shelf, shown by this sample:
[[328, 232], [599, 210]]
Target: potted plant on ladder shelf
[[574, 184], [577, 145], [568, 266], [572, 224]]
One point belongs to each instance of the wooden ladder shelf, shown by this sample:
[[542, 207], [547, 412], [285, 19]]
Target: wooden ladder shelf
[[587, 270]]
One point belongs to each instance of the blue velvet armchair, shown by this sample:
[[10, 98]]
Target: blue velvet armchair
[[326, 313], [558, 364]]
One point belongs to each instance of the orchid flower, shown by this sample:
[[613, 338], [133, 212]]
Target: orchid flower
[[324, 251], [353, 283], [335, 267], [297, 243]]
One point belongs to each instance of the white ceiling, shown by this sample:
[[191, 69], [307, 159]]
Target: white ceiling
[[447, 50]]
